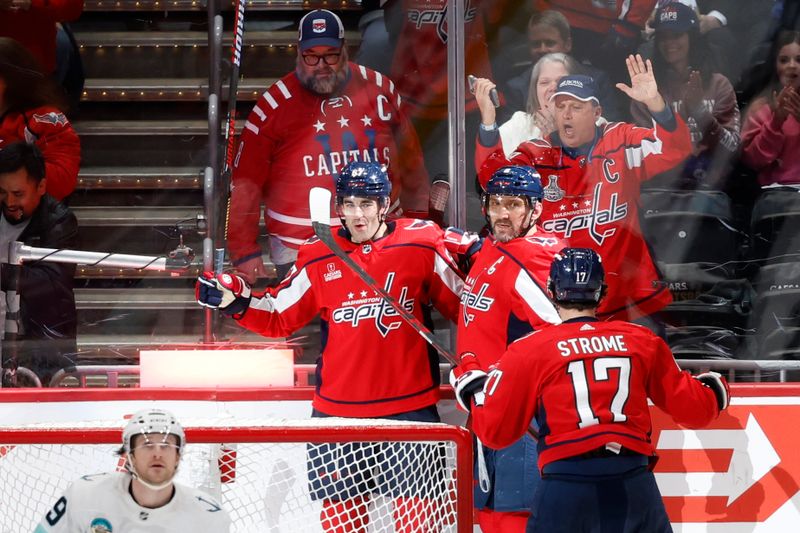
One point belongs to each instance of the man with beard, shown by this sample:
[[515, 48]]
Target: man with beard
[[145, 496], [304, 129], [504, 298], [47, 319]]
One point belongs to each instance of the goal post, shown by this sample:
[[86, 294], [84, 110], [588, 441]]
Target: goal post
[[270, 475]]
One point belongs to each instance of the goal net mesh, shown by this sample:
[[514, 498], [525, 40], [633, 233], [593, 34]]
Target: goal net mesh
[[279, 476]]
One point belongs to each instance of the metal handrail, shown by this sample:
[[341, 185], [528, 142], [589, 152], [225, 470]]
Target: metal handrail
[[731, 366]]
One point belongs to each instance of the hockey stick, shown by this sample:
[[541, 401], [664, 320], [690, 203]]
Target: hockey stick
[[319, 202], [230, 127]]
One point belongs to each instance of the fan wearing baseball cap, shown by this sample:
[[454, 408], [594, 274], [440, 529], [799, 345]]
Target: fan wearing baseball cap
[[704, 98], [592, 175], [302, 132]]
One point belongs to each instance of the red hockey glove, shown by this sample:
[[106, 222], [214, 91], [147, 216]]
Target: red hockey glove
[[719, 385], [227, 292]]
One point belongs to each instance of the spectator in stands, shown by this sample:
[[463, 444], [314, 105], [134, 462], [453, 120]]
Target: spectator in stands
[[704, 99], [300, 134], [47, 317], [535, 123], [771, 133], [593, 176], [604, 33], [549, 32], [33, 23], [420, 67], [32, 110]]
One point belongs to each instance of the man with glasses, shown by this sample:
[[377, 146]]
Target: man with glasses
[[143, 498], [304, 129], [504, 298]]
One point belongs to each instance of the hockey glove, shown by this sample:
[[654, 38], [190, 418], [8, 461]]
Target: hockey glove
[[719, 385], [468, 386], [227, 292]]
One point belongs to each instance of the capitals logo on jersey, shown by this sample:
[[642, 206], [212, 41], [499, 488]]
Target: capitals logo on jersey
[[475, 301], [374, 308], [587, 214], [56, 119], [420, 17]]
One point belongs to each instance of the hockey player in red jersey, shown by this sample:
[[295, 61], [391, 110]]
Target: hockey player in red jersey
[[302, 131], [592, 175], [504, 298], [373, 364], [587, 383]]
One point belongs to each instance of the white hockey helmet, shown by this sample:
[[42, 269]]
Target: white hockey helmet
[[153, 421]]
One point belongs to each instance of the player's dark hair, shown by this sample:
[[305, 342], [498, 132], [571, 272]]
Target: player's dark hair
[[22, 155], [27, 85]]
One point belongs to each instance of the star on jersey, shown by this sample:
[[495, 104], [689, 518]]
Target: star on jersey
[[350, 295], [366, 120], [319, 126], [363, 294], [343, 122]]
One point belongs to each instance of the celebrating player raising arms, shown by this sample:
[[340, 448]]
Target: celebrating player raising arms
[[144, 498], [592, 176], [587, 383], [373, 364]]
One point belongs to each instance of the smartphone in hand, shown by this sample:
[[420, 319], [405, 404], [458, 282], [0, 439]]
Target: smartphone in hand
[[492, 94]]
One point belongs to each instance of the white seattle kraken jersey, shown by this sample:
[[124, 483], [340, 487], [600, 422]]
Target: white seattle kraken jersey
[[101, 503]]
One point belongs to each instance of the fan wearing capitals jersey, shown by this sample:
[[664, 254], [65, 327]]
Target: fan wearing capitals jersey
[[373, 364], [503, 299], [301, 133], [587, 385], [592, 178]]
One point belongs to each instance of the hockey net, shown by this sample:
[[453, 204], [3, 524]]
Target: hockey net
[[275, 476]]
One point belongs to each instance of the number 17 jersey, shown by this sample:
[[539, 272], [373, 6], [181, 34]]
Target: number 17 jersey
[[587, 383]]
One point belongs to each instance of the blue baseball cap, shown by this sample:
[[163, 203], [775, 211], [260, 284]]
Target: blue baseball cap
[[676, 17], [577, 86], [320, 28]]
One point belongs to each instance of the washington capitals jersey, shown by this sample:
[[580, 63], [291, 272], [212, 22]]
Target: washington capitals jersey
[[419, 65], [587, 383], [505, 296], [101, 502], [372, 362], [295, 139], [50, 130], [592, 202]]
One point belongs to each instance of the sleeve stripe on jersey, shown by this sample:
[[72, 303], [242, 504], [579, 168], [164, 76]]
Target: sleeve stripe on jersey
[[623, 11], [636, 154], [252, 127], [286, 297], [363, 71], [261, 115], [284, 90], [297, 221], [270, 100], [378, 79], [391, 87], [535, 298], [448, 276]]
